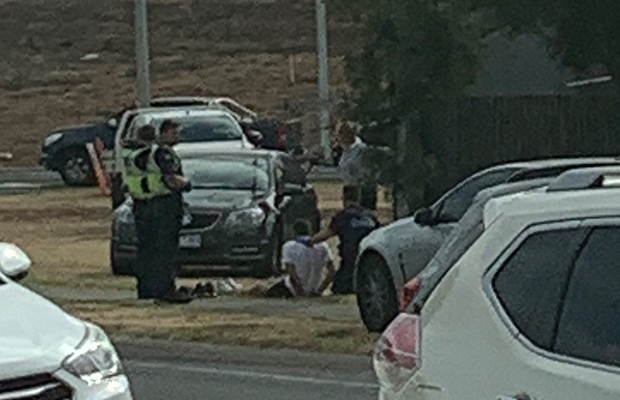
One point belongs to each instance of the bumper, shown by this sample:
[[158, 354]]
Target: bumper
[[116, 388], [228, 255]]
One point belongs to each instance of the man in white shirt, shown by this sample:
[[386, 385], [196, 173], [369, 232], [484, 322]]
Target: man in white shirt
[[304, 265], [351, 165]]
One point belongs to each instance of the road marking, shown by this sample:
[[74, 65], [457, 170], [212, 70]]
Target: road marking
[[250, 374]]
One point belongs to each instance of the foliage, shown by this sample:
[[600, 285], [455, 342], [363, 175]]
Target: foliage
[[581, 33], [412, 51]]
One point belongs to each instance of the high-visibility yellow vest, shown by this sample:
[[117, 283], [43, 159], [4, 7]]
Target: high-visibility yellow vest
[[144, 184], [155, 180]]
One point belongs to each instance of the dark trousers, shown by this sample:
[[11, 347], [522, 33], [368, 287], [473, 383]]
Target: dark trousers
[[158, 223], [279, 290], [343, 279]]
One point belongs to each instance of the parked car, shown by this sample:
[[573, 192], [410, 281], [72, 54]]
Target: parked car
[[46, 353], [200, 128], [392, 255], [64, 150], [241, 210], [529, 310], [466, 232]]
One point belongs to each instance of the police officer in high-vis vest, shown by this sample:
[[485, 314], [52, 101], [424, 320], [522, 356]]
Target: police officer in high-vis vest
[[155, 180]]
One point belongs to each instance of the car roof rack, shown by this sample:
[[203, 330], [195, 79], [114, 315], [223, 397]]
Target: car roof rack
[[586, 178]]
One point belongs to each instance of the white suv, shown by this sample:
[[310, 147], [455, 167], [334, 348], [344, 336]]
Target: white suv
[[529, 311], [46, 354]]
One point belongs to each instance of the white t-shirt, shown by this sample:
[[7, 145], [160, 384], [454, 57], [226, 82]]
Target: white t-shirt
[[309, 263]]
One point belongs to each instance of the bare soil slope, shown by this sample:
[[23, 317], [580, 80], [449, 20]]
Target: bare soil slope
[[238, 48]]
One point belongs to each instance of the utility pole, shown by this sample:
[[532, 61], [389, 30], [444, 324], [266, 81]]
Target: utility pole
[[142, 54], [323, 58]]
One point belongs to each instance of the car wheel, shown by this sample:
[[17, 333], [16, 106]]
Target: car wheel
[[270, 266], [76, 169], [376, 294]]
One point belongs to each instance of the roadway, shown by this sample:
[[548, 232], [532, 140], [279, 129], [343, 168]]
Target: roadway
[[165, 370]]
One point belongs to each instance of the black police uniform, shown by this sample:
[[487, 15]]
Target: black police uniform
[[350, 225], [158, 223]]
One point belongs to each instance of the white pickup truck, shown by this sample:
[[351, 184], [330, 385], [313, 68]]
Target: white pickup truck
[[200, 127]]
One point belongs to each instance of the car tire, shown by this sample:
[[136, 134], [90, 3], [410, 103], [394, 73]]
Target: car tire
[[76, 168], [120, 267], [376, 295], [270, 266]]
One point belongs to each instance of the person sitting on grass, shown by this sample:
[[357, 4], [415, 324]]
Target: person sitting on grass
[[304, 266]]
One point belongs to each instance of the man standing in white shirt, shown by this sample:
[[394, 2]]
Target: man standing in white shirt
[[304, 265], [352, 164]]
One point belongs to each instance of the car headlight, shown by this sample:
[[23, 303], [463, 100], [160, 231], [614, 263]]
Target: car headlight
[[94, 359], [51, 139], [250, 218]]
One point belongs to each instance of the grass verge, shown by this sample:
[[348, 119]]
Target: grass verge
[[122, 320]]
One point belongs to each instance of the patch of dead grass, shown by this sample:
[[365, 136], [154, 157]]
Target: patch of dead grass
[[66, 234], [147, 320]]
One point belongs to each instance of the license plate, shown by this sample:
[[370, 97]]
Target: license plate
[[190, 241]]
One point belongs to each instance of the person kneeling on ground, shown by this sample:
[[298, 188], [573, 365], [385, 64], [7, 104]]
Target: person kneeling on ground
[[304, 267], [351, 225]]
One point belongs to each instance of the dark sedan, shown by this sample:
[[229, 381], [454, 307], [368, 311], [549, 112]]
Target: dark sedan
[[239, 213]]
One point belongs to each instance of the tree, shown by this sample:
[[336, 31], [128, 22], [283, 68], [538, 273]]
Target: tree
[[581, 33], [412, 52]]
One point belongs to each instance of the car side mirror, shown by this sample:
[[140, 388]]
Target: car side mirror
[[14, 263], [423, 217]]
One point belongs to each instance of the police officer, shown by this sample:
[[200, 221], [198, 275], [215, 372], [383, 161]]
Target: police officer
[[351, 225], [155, 181], [168, 186], [136, 183]]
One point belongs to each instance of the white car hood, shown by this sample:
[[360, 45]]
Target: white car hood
[[35, 335]]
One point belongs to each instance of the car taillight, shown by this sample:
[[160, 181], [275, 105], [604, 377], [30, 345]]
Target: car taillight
[[397, 353], [410, 290]]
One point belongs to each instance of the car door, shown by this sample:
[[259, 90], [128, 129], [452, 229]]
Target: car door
[[561, 295], [425, 240]]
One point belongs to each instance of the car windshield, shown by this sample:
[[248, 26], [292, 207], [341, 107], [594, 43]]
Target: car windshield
[[228, 173], [202, 128], [462, 237]]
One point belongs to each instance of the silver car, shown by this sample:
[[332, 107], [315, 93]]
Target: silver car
[[391, 256]]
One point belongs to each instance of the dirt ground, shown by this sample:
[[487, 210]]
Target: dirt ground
[[66, 233], [238, 48]]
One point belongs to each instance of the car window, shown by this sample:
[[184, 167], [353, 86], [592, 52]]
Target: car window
[[458, 242], [461, 238], [201, 128], [457, 202], [589, 325], [530, 284], [228, 173]]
